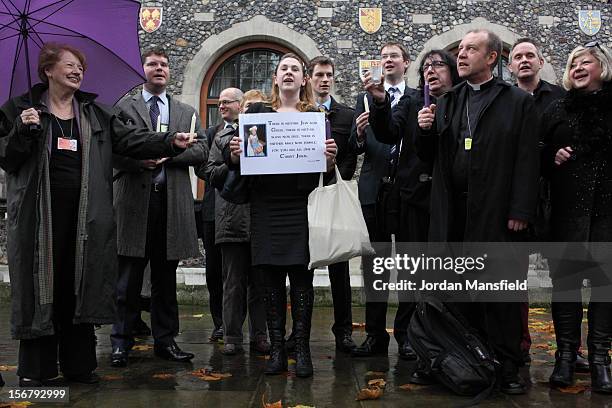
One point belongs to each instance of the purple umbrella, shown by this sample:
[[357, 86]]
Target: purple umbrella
[[106, 31]]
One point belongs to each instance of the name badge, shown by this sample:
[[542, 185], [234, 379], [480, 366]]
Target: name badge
[[66, 144], [468, 143]]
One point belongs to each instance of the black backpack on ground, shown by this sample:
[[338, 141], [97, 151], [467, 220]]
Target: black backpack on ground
[[450, 351]]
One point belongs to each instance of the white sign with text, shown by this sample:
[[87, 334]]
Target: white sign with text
[[282, 143]]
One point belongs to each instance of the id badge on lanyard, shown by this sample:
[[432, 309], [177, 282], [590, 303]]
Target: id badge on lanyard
[[67, 144]]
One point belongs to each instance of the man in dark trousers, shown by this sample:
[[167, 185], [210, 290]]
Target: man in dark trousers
[[340, 117], [482, 138], [229, 109], [525, 64], [155, 216], [378, 164]]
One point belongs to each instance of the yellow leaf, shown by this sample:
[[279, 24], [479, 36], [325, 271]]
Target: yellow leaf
[[142, 347], [369, 394], [412, 387], [207, 375], [377, 382], [16, 404], [573, 389], [264, 404], [112, 377], [7, 368], [290, 361], [163, 376], [199, 316]]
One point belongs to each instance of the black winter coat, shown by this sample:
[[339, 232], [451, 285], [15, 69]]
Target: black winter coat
[[581, 188], [504, 167], [400, 124]]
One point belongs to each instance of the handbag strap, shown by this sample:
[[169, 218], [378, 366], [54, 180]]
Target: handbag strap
[[338, 176]]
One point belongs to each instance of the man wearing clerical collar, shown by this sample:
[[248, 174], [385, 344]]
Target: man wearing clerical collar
[[484, 146]]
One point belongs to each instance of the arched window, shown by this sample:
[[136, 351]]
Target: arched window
[[249, 66]]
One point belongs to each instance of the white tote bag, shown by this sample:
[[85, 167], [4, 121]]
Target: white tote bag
[[337, 230]]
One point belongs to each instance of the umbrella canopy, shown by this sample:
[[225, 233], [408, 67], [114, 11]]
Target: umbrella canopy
[[106, 31]]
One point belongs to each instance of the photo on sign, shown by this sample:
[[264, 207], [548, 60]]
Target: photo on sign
[[256, 140]]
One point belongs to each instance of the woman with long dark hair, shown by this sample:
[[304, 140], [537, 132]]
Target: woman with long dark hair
[[577, 135], [279, 225]]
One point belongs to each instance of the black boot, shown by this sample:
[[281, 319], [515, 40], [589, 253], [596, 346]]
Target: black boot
[[565, 365], [302, 311], [276, 316], [567, 318], [598, 340]]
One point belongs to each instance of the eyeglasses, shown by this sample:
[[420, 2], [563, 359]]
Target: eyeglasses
[[434, 64], [226, 102], [592, 44]]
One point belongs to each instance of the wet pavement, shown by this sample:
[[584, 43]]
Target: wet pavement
[[152, 382]]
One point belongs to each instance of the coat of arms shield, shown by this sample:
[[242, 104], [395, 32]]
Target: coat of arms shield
[[370, 19], [150, 18], [589, 21]]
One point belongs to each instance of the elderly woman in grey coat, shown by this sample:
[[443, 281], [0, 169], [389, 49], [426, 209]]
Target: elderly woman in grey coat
[[62, 248]]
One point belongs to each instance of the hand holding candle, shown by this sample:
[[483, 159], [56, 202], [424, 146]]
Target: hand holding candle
[[192, 133]]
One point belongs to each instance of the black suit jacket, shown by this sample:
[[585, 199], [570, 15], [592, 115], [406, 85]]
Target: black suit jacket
[[375, 160], [413, 175], [341, 119]]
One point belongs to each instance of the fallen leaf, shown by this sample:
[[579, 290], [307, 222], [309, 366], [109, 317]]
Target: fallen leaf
[[264, 404], [208, 375], [375, 374], [199, 316], [142, 347], [7, 368], [369, 394], [357, 325], [111, 377], [163, 376], [377, 382], [412, 387], [573, 389], [290, 361], [16, 404]]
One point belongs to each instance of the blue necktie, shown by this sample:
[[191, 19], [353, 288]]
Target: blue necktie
[[392, 92], [393, 152], [159, 175], [154, 111]]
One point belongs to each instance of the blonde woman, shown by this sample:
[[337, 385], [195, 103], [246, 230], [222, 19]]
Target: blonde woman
[[577, 157]]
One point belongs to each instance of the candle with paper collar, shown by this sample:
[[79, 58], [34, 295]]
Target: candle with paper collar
[[192, 127], [426, 97]]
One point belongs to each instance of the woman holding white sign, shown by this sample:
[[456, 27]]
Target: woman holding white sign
[[279, 225]]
